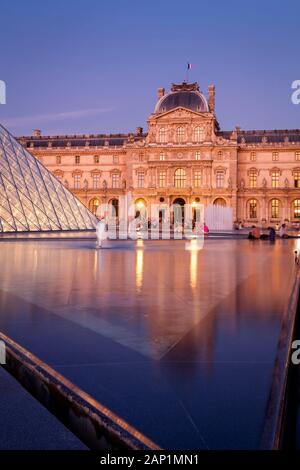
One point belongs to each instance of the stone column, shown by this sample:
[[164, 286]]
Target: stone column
[[286, 214]]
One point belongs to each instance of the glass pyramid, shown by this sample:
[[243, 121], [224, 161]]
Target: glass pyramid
[[31, 198]]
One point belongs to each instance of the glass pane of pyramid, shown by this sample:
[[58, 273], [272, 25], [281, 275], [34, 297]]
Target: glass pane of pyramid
[[31, 198]]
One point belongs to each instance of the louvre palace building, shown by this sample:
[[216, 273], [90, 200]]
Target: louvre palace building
[[183, 157]]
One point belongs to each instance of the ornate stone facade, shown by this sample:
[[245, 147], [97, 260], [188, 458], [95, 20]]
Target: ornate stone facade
[[184, 156]]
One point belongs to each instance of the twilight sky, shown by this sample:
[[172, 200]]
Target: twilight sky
[[93, 66]]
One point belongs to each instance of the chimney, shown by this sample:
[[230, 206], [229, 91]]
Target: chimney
[[139, 131], [37, 133], [211, 98], [160, 92]]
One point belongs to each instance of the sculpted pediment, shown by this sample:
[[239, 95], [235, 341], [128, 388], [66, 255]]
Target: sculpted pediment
[[180, 113]]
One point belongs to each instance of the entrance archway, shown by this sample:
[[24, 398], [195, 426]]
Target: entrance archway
[[94, 204], [178, 211], [180, 201], [140, 207], [220, 202]]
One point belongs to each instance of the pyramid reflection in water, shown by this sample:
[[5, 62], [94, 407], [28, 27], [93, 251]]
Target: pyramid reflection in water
[[31, 198]]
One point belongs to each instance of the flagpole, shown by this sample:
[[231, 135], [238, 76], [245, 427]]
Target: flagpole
[[189, 66]]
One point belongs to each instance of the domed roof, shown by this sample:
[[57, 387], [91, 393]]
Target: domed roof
[[185, 95]]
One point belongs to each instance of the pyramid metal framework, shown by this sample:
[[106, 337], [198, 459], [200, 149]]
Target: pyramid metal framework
[[31, 198]]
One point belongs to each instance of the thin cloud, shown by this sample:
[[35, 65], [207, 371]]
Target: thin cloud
[[39, 119]]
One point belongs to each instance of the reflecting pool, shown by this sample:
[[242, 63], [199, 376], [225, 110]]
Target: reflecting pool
[[179, 341]]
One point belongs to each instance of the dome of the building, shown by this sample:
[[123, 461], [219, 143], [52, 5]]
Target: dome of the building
[[185, 95]]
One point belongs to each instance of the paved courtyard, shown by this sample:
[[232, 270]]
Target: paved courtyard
[[179, 342]]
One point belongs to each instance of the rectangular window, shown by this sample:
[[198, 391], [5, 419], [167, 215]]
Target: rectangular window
[[141, 179], [296, 209], [58, 160], [197, 156], [253, 209], [77, 182], [96, 159], [198, 135], [162, 178], [180, 134], [253, 179], [162, 157], [297, 156], [116, 159], [252, 156], [162, 135], [77, 160], [115, 180], [96, 181], [197, 178], [275, 156], [179, 178], [275, 179], [297, 179], [220, 179], [275, 209]]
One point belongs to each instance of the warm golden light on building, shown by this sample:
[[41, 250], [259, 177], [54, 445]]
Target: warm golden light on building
[[182, 155]]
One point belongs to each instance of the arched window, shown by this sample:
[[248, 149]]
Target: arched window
[[162, 135], [296, 209], [180, 135], [179, 178], [198, 134], [275, 208], [253, 209]]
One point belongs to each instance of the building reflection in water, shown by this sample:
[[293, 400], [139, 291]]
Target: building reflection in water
[[199, 325], [194, 246], [176, 287], [139, 264]]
